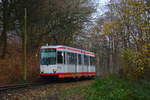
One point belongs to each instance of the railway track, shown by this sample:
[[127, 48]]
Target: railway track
[[18, 86], [8, 87], [41, 91], [26, 85]]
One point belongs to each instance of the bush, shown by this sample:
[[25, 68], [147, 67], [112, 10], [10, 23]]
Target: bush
[[113, 88], [110, 88], [136, 64]]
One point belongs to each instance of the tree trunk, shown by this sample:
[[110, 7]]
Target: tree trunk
[[3, 38]]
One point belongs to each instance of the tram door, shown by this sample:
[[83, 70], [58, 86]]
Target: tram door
[[79, 63], [86, 63]]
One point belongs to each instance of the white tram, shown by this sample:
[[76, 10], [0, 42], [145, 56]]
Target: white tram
[[63, 61]]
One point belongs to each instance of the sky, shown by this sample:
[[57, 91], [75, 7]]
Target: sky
[[103, 2], [100, 7]]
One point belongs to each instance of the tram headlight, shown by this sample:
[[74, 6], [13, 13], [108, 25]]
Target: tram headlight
[[54, 70], [42, 71]]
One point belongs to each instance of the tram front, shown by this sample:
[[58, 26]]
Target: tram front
[[48, 61]]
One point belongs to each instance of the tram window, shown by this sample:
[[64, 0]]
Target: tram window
[[69, 58], [64, 58], [48, 57], [79, 59], [86, 60], [72, 58], [59, 57], [92, 61]]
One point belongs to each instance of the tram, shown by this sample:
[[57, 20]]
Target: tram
[[61, 61]]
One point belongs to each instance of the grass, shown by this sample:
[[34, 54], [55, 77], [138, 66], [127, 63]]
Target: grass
[[110, 88]]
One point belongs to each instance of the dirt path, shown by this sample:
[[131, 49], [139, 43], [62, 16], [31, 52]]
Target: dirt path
[[47, 92]]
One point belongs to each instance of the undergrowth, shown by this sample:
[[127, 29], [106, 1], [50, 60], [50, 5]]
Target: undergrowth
[[110, 88]]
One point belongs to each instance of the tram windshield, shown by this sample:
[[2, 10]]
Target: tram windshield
[[48, 56]]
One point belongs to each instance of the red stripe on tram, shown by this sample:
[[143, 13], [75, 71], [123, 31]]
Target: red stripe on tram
[[76, 50], [70, 74]]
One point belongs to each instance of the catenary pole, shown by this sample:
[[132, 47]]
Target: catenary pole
[[25, 46]]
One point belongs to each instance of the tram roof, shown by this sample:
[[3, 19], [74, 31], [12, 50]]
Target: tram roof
[[69, 49]]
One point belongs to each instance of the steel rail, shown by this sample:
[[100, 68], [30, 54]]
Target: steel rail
[[18, 86], [2, 88], [28, 85]]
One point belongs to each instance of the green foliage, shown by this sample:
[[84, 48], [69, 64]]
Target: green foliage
[[113, 88], [136, 64]]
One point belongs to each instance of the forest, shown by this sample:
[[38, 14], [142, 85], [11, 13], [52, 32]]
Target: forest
[[120, 37]]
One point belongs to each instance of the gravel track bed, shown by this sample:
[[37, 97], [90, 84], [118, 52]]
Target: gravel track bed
[[45, 92]]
